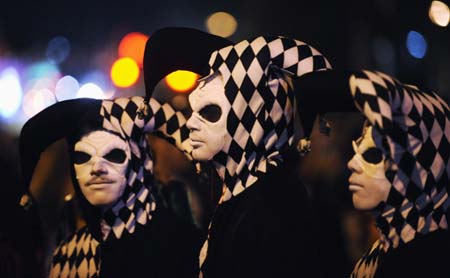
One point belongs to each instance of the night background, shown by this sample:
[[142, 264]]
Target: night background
[[43, 42]]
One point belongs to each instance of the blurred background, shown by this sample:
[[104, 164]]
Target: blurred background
[[56, 50]]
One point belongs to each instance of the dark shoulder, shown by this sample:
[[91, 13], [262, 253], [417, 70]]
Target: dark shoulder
[[167, 224]]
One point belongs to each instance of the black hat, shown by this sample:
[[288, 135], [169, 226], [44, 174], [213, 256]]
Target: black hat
[[176, 48], [321, 92], [56, 122]]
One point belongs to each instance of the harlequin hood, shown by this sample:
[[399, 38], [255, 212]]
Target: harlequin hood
[[414, 125], [257, 75], [71, 120]]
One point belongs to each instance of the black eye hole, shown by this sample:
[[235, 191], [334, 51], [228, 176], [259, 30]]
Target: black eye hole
[[81, 157], [116, 156], [211, 113], [373, 155]]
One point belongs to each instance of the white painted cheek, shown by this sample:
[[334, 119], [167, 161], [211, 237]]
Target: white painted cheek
[[83, 172], [372, 170]]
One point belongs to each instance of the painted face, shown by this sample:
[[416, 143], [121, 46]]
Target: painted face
[[100, 162], [207, 124], [368, 182]]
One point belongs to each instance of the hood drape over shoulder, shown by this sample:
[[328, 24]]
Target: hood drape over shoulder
[[258, 85]]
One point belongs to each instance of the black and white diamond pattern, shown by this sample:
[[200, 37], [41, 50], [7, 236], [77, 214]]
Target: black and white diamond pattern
[[77, 257], [416, 126], [256, 75], [367, 265], [137, 203], [171, 124]]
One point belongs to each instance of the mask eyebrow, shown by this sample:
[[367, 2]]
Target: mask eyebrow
[[206, 79]]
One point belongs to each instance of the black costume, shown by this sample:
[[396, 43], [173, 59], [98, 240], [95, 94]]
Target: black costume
[[262, 226], [137, 235]]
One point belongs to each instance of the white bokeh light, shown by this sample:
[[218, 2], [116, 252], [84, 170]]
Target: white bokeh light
[[10, 92], [439, 13], [37, 100], [66, 88], [90, 90]]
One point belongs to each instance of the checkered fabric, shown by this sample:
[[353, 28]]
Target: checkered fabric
[[136, 203], [367, 265], [71, 258], [77, 257], [415, 126], [163, 119], [257, 77]]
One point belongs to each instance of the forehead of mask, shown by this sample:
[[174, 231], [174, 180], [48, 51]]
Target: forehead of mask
[[101, 149], [367, 154], [208, 99]]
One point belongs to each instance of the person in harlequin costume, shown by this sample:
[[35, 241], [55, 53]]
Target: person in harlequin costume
[[400, 170], [242, 121], [128, 232]]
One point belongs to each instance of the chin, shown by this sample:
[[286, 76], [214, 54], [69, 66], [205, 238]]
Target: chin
[[361, 204], [202, 155]]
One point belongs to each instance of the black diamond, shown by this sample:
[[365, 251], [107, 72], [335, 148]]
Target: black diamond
[[407, 163], [116, 110], [413, 191], [231, 90], [413, 217], [184, 133], [217, 62], [319, 63], [131, 109], [232, 59], [136, 133], [247, 88], [247, 57], [426, 154], [248, 119], [124, 214], [172, 124], [427, 118], [395, 198], [232, 122], [235, 151], [304, 51]]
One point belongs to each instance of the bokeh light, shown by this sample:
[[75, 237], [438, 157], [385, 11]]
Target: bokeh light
[[98, 77], [133, 46], [37, 100], [90, 90], [179, 102], [58, 49], [221, 24], [181, 80], [43, 69], [66, 88], [10, 92], [124, 72], [416, 44], [439, 13]]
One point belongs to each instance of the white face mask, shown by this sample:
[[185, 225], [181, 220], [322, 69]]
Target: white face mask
[[100, 162], [208, 122], [368, 182]]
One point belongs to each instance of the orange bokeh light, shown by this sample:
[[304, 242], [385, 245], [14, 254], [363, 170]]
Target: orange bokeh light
[[124, 72], [181, 80], [133, 46]]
